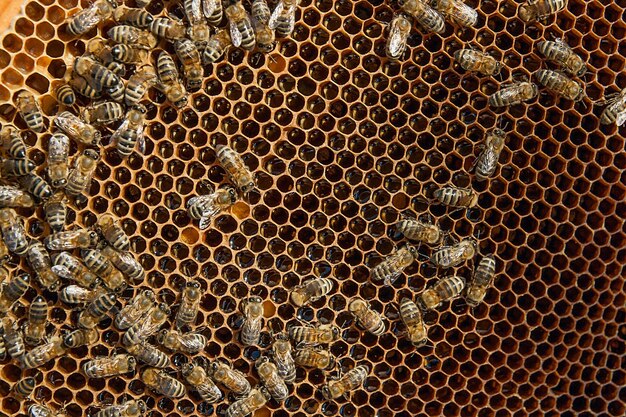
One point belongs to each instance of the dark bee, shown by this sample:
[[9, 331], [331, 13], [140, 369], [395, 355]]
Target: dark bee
[[213, 11], [189, 305], [96, 311], [80, 337], [65, 94], [12, 290], [97, 75], [102, 51], [13, 338], [30, 111], [104, 269], [24, 388], [443, 290], [128, 54], [216, 47], [81, 86], [138, 84], [16, 167], [13, 233], [481, 281], [560, 84], [171, 86], [514, 93], [540, 9], [35, 185], [13, 145], [159, 381], [168, 28], [487, 161], [35, 328], [558, 51], [125, 263]]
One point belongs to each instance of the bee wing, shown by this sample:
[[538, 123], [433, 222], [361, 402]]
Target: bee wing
[[141, 143], [195, 14], [62, 271], [209, 6], [488, 158], [116, 135], [192, 342], [87, 17], [67, 125], [621, 118], [205, 222], [396, 42], [235, 35], [273, 22]]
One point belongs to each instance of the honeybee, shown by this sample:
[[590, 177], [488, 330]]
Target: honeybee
[[487, 161], [205, 207], [273, 382], [189, 304], [236, 169], [315, 357], [35, 185], [13, 339], [12, 290], [80, 337], [368, 318], [4, 256], [130, 408], [198, 29], [264, 35], [230, 378], [213, 11], [138, 84], [514, 93], [481, 281], [109, 366], [283, 19], [116, 92], [167, 28], [16, 167], [100, 49], [252, 309], [13, 234], [412, 319], [14, 197], [197, 377], [558, 51], [349, 382], [540, 9], [427, 17], [240, 26], [35, 327], [103, 113], [125, 263], [416, 229], [97, 75], [103, 268], [615, 110], [392, 266], [77, 129], [314, 335], [256, 399], [65, 94], [561, 85], [443, 290], [477, 61], [130, 131], [149, 355], [96, 311], [128, 54], [88, 18], [451, 256], [132, 16], [36, 410], [159, 381], [217, 45], [399, 32], [148, 326], [71, 239], [457, 11], [135, 309], [310, 291], [29, 109], [82, 87], [456, 196], [80, 176], [58, 154], [171, 86], [75, 294], [39, 260], [130, 35], [189, 57], [112, 231], [12, 143], [42, 354], [24, 388], [281, 353], [181, 342], [55, 210], [68, 267]]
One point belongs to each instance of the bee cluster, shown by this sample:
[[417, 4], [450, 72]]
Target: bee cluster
[[269, 291]]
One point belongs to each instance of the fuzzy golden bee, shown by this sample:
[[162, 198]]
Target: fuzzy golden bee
[[477, 61], [514, 93], [282, 356], [310, 335], [42, 354], [189, 304], [149, 355], [147, 326], [264, 35], [487, 162], [481, 281], [181, 342], [540, 9], [416, 229], [197, 377], [454, 255], [78, 130], [135, 309], [69, 267], [189, 57], [456, 196], [170, 84], [96, 311], [158, 380], [79, 178], [87, 18], [240, 25], [13, 233], [216, 47], [80, 337], [12, 291], [273, 382], [411, 316], [29, 109], [457, 11], [443, 290], [399, 31], [230, 378], [256, 399], [109, 366], [236, 169], [310, 291], [35, 328], [368, 318], [560, 52], [392, 266], [252, 309], [427, 17], [11, 143], [130, 408], [352, 380], [560, 84], [314, 357], [283, 17], [130, 35]]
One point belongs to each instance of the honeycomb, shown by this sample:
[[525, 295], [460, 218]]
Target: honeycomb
[[341, 142]]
